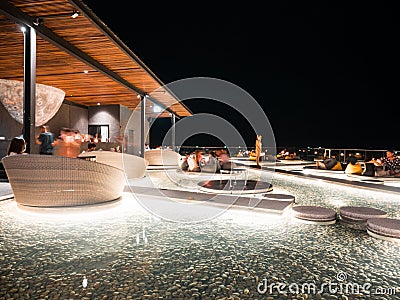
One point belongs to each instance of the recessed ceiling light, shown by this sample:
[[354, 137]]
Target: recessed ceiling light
[[74, 14], [85, 71], [98, 103], [157, 109]]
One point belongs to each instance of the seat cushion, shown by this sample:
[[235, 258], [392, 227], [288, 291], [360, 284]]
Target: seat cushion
[[384, 226], [360, 213], [314, 213]]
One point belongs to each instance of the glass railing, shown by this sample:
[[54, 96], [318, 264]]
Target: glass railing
[[303, 153]]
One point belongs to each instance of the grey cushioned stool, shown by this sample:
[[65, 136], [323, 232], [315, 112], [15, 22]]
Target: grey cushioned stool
[[384, 228], [357, 216], [314, 214]]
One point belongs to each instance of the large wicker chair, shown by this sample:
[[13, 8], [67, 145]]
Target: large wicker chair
[[54, 181], [133, 166], [162, 157]]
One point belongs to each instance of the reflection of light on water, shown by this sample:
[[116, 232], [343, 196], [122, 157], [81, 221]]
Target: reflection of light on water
[[123, 229], [338, 202], [137, 239], [84, 282], [144, 237], [79, 214]]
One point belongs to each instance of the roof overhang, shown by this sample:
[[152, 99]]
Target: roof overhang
[[80, 56]]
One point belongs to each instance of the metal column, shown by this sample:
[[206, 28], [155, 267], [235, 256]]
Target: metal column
[[29, 88], [142, 123], [173, 131]]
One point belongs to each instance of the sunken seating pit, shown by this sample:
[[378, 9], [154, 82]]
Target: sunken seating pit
[[314, 214], [55, 181]]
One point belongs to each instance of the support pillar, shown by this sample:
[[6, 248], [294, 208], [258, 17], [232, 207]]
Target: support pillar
[[173, 117], [142, 124], [29, 106]]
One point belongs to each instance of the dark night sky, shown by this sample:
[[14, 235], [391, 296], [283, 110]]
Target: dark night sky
[[324, 73]]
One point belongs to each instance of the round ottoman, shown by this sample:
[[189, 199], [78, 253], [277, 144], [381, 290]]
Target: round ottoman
[[360, 213], [281, 197], [314, 214], [384, 228], [357, 216]]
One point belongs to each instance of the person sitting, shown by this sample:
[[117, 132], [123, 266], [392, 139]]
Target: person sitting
[[193, 165], [183, 162], [225, 163], [330, 163], [353, 166], [211, 164], [17, 146], [369, 166], [91, 146], [390, 165]]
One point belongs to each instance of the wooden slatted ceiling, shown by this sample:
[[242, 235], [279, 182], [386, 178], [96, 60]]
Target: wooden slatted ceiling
[[60, 69]]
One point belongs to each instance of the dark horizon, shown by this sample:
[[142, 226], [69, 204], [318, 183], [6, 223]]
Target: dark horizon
[[162, 125], [323, 73]]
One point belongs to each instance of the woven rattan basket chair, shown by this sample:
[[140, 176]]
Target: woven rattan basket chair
[[54, 181], [162, 157], [133, 166]]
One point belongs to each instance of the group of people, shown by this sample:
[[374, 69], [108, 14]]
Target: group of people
[[67, 144], [208, 162], [388, 165], [69, 141]]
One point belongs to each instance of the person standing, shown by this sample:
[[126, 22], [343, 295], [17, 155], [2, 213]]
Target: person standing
[[45, 140], [68, 143], [258, 150]]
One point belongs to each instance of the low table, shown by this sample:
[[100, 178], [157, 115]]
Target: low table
[[234, 172]]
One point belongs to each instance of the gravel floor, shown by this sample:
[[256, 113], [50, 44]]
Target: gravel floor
[[127, 253]]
